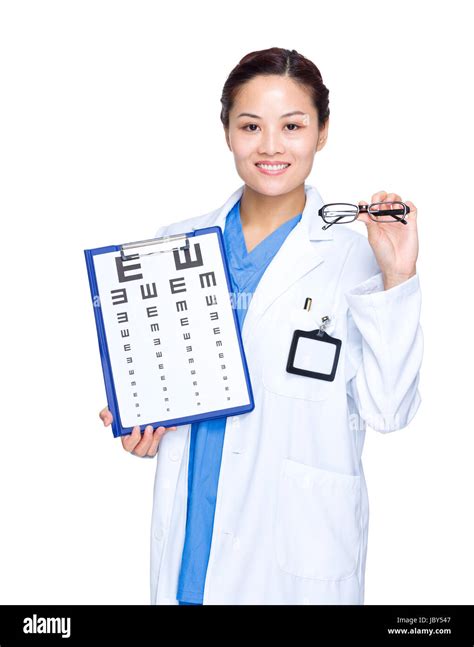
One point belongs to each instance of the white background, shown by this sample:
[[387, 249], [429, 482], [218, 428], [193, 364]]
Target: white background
[[109, 119]]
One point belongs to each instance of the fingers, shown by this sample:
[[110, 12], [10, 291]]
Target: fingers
[[395, 197], [379, 196], [413, 212], [106, 416], [130, 441], [383, 196], [136, 443], [364, 217], [157, 436], [145, 444]]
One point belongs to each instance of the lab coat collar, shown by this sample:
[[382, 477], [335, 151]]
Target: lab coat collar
[[311, 222], [296, 257]]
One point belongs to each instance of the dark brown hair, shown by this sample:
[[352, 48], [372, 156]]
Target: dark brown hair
[[284, 62]]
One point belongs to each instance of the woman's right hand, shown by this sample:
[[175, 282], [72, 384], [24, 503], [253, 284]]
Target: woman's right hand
[[136, 443]]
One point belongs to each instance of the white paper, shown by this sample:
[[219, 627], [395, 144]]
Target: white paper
[[315, 356], [155, 388]]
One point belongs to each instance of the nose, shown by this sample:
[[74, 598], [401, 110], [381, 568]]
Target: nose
[[271, 142]]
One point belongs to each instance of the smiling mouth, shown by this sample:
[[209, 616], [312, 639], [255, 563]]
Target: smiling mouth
[[272, 169]]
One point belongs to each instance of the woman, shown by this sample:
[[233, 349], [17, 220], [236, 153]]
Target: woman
[[270, 507]]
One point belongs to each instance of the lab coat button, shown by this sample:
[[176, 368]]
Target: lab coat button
[[159, 534], [173, 454], [306, 601], [236, 543]]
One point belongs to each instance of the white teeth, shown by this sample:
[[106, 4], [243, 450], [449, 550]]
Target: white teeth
[[273, 167]]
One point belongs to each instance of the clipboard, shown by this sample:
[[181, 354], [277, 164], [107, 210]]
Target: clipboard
[[169, 338]]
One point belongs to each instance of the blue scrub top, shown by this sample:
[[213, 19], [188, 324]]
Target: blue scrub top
[[207, 437]]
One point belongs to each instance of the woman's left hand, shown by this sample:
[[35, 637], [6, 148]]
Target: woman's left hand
[[395, 245]]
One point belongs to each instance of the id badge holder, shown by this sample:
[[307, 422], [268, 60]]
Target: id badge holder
[[314, 353]]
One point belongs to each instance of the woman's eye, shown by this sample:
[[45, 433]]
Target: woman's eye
[[252, 128]]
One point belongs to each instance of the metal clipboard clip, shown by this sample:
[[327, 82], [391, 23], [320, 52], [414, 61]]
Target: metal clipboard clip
[[157, 246]]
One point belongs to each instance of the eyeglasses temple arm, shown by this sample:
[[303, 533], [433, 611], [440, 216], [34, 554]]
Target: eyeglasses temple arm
[[402, 220], [332, 223], [363, 209]]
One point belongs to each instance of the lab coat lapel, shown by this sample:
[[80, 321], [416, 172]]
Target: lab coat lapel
[[297, 256], [217, 218]]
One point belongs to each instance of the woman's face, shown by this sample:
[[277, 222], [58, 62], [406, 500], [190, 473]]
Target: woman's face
[[273, 134]]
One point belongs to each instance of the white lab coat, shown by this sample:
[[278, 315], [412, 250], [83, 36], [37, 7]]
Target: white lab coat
[[291, 515]]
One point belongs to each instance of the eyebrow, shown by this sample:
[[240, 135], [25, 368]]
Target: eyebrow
[[288, 114]]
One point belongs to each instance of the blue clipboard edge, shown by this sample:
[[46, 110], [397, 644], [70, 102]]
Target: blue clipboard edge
[[112, 403], [117, 428]]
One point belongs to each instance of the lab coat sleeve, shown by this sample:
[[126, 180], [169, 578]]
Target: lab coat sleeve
[[384, 349]]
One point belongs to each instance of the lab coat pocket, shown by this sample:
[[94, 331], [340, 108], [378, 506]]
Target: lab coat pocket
[[317, 532], [275, 376]]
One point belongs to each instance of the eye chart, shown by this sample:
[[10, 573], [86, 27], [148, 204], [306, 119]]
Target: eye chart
[[169, 339]]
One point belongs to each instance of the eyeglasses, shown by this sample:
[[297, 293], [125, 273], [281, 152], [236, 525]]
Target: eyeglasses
[[337, 213]]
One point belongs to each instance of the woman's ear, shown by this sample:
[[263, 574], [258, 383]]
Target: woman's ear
[[226, 131], [323, 135]]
